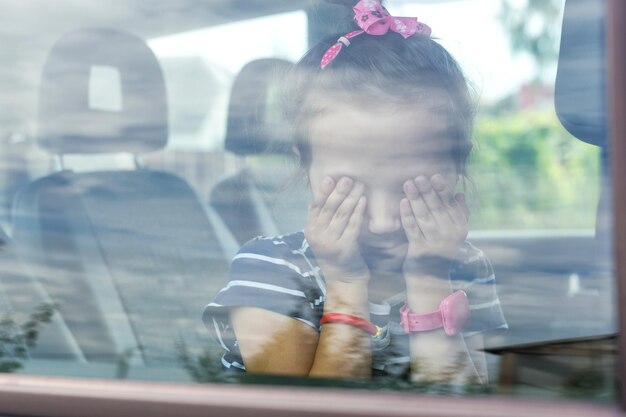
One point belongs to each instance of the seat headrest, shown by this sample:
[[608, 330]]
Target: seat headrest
[[254, 118], [580, 82], [68, 123]]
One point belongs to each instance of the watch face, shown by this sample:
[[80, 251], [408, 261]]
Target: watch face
[[455, 312]]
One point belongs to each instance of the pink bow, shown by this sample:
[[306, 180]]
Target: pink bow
[[374, 19]]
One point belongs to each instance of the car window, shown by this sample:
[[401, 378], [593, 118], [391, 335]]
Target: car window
[[171, 201]]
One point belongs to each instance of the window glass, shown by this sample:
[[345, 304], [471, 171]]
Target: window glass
[[200, 67], [145, 150]]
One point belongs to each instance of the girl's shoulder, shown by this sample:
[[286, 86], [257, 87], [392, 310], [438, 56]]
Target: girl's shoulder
[[288, 243], [469, 253], [471, 263], [289, 246]]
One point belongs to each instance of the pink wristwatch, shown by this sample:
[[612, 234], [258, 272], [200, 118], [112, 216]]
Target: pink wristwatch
[[452, 315]]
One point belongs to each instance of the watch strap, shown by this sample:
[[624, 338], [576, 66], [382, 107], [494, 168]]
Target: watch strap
[[452, 315], [412, 322]]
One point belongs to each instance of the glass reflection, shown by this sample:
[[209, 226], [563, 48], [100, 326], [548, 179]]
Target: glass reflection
[[129, 247]]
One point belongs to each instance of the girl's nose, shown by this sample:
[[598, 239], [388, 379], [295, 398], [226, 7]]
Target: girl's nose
[[383, 215]]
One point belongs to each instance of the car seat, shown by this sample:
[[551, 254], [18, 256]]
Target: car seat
[[580, 91], [23, 306], [130, 256], [580, 100], [247, 201]]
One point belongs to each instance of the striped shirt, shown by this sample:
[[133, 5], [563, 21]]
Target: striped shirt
[[280, 274]]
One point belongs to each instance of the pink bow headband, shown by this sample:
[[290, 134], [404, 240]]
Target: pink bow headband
[[374, 19]]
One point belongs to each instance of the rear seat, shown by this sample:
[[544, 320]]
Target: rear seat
[[130, 256], [581, 104], [251, 202], [22, 297]]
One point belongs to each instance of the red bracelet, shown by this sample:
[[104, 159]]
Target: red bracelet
[[351, 320]]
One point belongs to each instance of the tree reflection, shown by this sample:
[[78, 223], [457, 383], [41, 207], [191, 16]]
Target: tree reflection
[[202, 367], [16, 339]]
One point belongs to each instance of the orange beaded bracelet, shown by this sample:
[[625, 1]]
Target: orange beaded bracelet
[[351, 320]]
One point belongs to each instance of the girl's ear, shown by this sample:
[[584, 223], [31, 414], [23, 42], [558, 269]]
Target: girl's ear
[[295, 151]]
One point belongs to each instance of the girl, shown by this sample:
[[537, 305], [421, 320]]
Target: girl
[[378, 282]]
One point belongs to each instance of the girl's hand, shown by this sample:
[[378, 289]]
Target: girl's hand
[[435, 222], [332, 229]]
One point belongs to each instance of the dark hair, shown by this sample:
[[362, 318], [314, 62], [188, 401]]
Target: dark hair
[[388, 67]]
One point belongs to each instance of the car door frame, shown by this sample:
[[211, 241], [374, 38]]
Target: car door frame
[[27, 395]]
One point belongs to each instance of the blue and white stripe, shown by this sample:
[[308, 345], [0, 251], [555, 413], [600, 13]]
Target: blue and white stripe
[[280, 274]]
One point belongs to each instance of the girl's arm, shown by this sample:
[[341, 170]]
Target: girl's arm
[[436, 225], [435, 356], [272, 343], [343, 350]]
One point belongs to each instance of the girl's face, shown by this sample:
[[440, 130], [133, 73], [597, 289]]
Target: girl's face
[[382, 148]]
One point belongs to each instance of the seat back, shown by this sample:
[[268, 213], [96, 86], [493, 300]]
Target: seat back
[[247, 201], [25, 307], [580, 85], [580, 99], [580, 92], [129, 256]]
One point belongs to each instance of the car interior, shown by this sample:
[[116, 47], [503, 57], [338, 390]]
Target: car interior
[[128, 237]]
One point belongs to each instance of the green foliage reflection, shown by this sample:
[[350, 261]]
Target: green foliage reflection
[[529, 173], [17, 338]]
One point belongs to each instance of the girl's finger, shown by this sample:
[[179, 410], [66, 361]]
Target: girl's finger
[[326, 187], [407, 218], [312, 213], [458, 215], [314, 208], [460, 199], [422, 214], [434, 203], [451, 205], [353, 228], [334, 200], [346, 208], [441, 188]]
